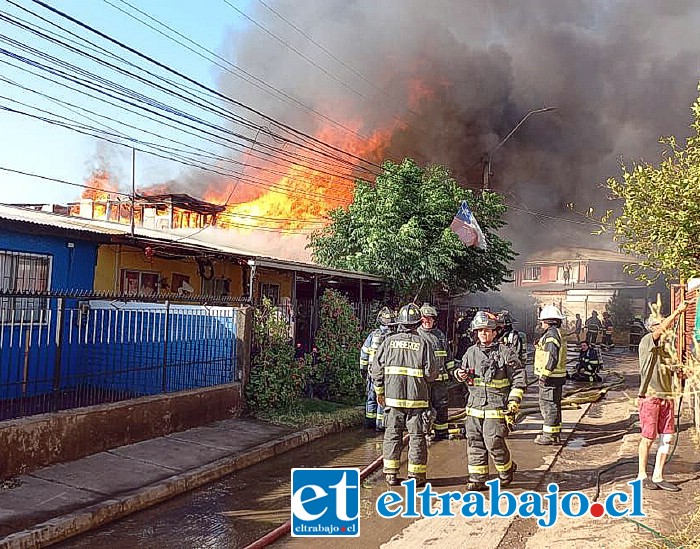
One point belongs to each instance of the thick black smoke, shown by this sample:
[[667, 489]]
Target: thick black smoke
[[620, 74]]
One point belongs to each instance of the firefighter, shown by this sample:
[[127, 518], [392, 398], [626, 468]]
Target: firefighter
[[374, 414], [464, 333], [550, 368], [445, 363], [637, 330], [402, 370], [593, 326], [607, 342], [511, 337], [497, 381], [588, 364]]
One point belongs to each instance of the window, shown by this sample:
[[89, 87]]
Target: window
[[181, 284], [216, 286], [532, 272], [271, 291], [20, 272], [139, 282]]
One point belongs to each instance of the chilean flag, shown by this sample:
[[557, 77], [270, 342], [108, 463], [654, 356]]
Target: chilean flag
[[466, 227]]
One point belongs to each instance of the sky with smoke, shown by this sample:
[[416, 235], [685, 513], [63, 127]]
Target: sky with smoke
[[441, 81], [448, 80]]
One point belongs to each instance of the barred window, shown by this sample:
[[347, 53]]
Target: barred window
[[532, 272], [24, 273], [270, 291]]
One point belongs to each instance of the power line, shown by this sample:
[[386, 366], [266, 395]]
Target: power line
[[202, 86], [208, 106], [295, 50], [251, 78]]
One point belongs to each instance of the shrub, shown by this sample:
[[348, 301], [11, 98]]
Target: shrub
[[277, 380], [336, 376]]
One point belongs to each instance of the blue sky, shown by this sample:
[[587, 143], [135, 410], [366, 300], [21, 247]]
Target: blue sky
[[36, 147]]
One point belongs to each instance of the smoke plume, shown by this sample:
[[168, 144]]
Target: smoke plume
[[448, 80]]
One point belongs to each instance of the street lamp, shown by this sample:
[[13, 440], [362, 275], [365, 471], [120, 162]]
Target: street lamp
[[487, 164]]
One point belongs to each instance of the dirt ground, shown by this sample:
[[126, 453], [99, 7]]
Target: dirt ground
[[607, 435]]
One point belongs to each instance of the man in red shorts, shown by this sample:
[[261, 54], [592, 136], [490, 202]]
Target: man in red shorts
[[655, 399]]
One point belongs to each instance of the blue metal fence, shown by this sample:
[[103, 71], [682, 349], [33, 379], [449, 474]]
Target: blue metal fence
[[61, 352]]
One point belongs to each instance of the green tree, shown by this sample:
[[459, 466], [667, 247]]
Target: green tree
[[398, 228], [659, 219], [336, 376]]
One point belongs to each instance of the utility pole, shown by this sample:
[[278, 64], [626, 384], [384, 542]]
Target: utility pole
[[486, 173], [133, 190]]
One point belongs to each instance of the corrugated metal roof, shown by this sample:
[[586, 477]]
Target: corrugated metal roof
[[113, 229]]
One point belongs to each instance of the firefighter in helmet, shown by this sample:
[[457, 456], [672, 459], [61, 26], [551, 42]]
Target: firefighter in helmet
[[593, 326], [550, 368], [445, 362], [497, 381], [637, 330], [374, 414], [588, 364], [510, 336], [402, 370]]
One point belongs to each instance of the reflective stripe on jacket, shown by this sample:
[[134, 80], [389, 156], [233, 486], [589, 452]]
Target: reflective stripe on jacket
[[403, 366], [499, 377], [442, 351], [550, 354]]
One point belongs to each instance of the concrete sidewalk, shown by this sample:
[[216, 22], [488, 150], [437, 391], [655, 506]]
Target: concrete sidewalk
[[62, 500]]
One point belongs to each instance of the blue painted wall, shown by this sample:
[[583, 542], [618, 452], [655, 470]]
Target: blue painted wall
[[72, 268], [31, 374]]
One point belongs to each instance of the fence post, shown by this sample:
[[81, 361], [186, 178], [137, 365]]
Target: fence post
[[165, 346], [60, 309]]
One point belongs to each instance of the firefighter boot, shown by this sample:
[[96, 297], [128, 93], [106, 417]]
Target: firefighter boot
[[420, 481], [391, 479], [370, 423], [507, 476], [476, 486], [546, 439]]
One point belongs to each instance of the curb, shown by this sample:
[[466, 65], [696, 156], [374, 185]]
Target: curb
[[88, 518]]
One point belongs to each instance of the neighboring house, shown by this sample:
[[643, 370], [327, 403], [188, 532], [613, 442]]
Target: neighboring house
[[169, 261], [580, 280], [91, 312]]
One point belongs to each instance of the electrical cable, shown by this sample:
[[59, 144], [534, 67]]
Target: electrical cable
[[251, 79], [216, 93], [91, 78]]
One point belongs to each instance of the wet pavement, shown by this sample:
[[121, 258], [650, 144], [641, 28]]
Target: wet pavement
[[240, 508]]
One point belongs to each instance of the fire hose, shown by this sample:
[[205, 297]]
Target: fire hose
[[286, 528]]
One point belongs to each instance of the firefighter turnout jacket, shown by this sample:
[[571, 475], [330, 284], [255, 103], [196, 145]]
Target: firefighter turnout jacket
[[403, 366], [441, 349], [370, 346], [499, 377], [550, 356], [516, 341]]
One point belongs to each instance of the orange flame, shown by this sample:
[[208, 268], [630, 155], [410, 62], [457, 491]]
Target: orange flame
[[300, 200]]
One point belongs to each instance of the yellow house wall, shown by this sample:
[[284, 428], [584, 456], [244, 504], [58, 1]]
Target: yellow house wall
[[113, 258], [284, 280]]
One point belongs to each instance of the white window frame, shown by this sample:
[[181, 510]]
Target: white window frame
[[35, 308], [124, 289], [532, 268]]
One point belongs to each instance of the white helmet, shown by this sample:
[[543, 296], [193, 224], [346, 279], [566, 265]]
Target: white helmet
[[551, 312]]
